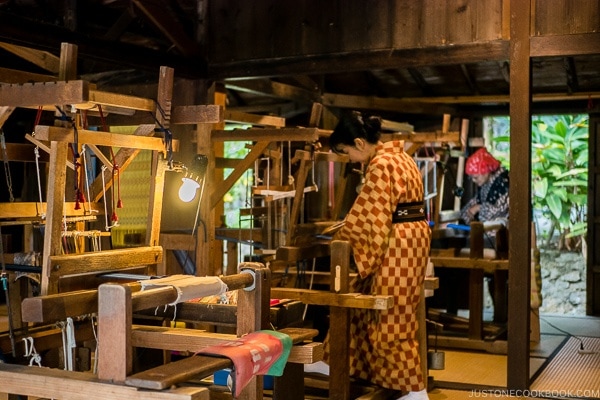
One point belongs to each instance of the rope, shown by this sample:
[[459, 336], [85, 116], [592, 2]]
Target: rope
[[6, 167], [36, 151], [30, 351], [95, 366], [68, 338]]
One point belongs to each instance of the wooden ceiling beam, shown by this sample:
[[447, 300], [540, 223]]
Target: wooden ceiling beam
[[42, 59], [8, 75], [44, 36], [405, 106], [493, 99], [168, 26], [564, 45], [271, 88], [389, 58]]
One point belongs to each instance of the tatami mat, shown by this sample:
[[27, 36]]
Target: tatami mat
[[481, 369], [572, 370], [448, 394]]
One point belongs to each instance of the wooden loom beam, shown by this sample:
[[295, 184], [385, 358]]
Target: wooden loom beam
[[82, 93], [58, 134]]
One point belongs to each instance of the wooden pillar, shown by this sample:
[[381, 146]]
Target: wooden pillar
[[209, 254], [159, 164], [255, 303], [56, 190], [115, 353], [55, 202], [476, 283], [520, 196], [339, 323]]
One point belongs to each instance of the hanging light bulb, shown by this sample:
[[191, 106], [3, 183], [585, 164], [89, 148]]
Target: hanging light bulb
[[188, 189]]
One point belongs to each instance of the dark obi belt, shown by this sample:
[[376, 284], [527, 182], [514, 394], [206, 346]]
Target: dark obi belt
[[409, 212]]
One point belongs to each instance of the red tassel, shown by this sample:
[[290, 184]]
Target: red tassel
[[119, 202], [80, 196], [77, 205], [114, 217]]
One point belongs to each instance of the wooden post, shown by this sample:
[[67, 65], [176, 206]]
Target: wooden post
[[255, 304], [55, 201], [476, 283], [460, 171], [157, 185], [518, 375], [115, 353], [339, 323]]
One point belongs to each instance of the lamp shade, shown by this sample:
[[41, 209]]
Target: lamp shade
[[188, 188]]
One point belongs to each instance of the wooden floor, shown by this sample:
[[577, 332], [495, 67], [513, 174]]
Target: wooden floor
[[479, 374]]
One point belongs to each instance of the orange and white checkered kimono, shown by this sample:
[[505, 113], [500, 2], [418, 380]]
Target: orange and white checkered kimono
[[391, 259]]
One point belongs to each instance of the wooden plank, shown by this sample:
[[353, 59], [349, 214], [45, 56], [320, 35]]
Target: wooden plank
[[488, 266], [45, 93], [166, 375], [194, 340], [254, 119], [58, 134], [426, 137], [565, 45], [42, 59], [344, 300], [69, 264], [183, 370], [121, 101], [198, 114], [22, 152], [72, 385], [309, 251], [220, 189], [266, 134], [14, 76], [34, 210]]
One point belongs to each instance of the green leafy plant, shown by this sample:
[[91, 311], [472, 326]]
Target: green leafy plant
[[559, 172]]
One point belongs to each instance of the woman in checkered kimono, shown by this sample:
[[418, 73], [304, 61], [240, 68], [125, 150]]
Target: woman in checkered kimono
[[390, 239]]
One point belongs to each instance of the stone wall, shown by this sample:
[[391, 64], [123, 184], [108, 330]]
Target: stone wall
[[563, 282]]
